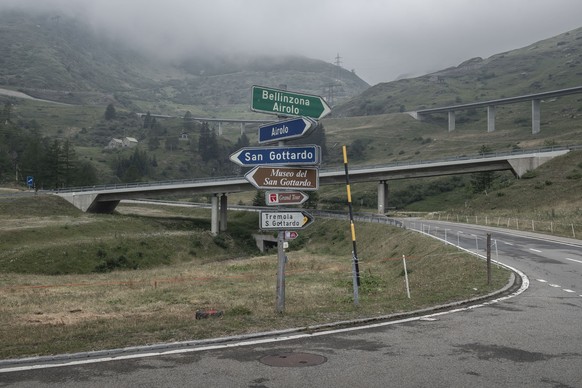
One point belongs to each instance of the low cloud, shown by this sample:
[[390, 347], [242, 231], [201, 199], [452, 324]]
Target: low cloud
[[380, 39]]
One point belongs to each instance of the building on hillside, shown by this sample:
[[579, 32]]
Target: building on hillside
[[114, 143], [130, 142], [126, 142]]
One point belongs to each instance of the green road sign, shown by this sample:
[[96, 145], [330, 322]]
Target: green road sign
[[284, 103]]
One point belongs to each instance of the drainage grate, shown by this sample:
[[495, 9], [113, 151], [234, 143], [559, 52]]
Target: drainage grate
[[293, 359]]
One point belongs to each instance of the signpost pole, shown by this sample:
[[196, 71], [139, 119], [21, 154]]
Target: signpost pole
[[280, 308], [304, 107]]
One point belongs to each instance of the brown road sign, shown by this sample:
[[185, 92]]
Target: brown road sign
[[277, 178], [276, 198]]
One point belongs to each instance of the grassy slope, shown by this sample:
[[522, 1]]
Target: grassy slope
[[66, 308]]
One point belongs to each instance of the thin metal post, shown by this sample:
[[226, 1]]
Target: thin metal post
[[355, 281], [488, 258], [352, 226], [406, 276], [280, 308]]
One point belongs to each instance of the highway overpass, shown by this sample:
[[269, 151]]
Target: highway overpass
[[535, 99], [104, 199]]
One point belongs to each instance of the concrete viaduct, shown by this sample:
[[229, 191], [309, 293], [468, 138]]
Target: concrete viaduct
[[220, 121], [104, 199], [490, 105]]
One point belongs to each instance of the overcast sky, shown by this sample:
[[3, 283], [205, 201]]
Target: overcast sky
[[380, 39]]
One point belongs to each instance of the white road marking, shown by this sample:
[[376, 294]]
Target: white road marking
[[542, 280], [535, 250], [567, 290], [554, 285], [246, 342], [576, 261], [506, 243]]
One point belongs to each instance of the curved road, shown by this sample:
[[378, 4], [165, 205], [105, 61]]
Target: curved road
[[531, 340]]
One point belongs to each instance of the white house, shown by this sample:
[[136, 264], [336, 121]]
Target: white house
[[114, 143], [129, 142]]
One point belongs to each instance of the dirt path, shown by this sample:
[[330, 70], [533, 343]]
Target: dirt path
[[13, 93]]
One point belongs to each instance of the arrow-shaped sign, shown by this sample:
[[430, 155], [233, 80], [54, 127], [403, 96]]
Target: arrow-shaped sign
[[303, 155], [285, 130], [287, 220], [276, 198], [284, 103], [284, 178]]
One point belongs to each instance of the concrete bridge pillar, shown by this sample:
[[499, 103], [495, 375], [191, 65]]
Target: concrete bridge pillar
[[535, 116], [242, 128], [223, 212], [451, 120], [214, 215], [382, 197], [491, 118], [219, 128]]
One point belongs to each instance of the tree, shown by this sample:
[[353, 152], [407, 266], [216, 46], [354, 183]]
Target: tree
[[110, 113], [208, 144], [51, 164], [86, 174], [243, 141], [135, 168], [259, 199], [312, 201], [5, 115], [153, 143], [172, 143], [188, 121], [481, 182], [147, 121], [67, 163], [356, 150]]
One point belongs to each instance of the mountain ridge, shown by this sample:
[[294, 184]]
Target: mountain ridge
[[58, 58], [550, 64]]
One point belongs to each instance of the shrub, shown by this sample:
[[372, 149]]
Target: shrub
[[529, 175]]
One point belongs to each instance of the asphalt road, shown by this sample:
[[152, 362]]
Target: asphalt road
[[533, 339]]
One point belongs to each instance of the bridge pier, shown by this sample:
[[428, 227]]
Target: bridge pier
[[214, 221], [382, 196], [219, 128], [223, 213], [242, 128], [451, 120], [535, 116], [491, 118], [218, 213]]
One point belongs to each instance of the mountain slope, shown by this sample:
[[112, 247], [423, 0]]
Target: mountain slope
[[550, 64], [59, 58]]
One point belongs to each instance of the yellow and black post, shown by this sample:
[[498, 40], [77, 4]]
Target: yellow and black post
[[356, 265]]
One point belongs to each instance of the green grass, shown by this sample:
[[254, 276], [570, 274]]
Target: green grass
[[83, 309]]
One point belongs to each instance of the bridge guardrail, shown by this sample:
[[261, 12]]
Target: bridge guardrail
[[327, 169]]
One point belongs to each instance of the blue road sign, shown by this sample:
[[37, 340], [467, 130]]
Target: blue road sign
[[30, 181], [285, 130], [304, 155]]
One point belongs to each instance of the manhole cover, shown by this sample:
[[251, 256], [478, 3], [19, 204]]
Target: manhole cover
[[293, 359]]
